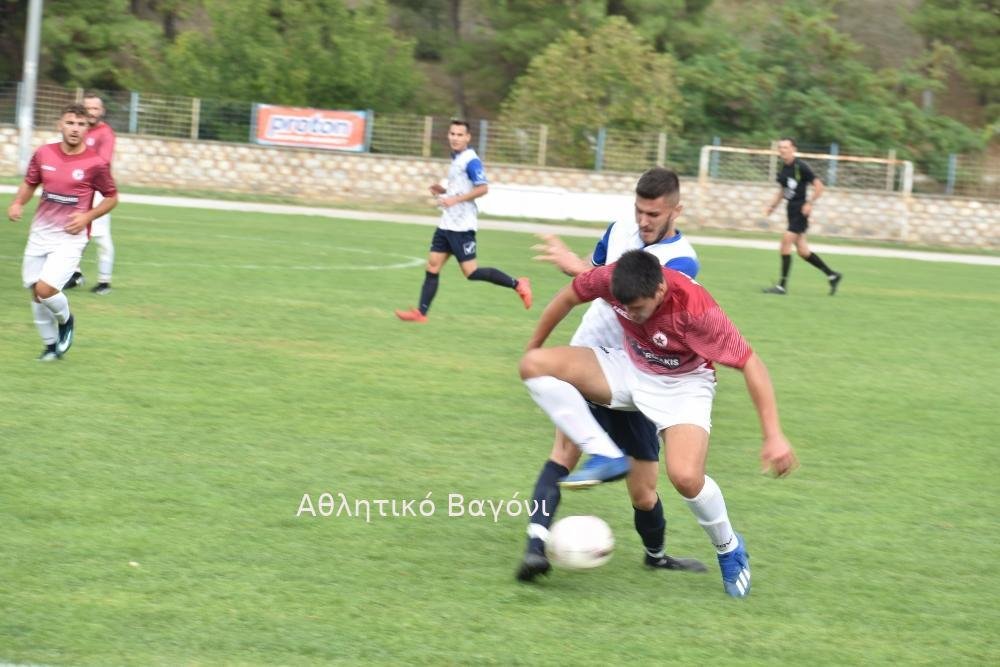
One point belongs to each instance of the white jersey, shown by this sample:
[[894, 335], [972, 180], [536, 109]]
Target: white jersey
[[465, 173], [600, 327]]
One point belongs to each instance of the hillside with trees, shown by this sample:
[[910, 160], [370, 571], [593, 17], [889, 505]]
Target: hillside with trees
[[744, 71]]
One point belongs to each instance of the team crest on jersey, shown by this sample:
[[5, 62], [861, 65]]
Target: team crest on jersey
[[78, 174], [790, 185], [660, 338], [469, 247], [89, 141]]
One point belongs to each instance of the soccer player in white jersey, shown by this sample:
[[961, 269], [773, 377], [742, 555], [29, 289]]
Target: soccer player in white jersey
[[456, 233], [101, 138], [653, 228], [69, 173], [673, 333]]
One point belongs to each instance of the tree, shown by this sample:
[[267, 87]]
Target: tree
[[972, 28], [169, 13], [790, 72], [610, 78], [516, 32], [672, 26], [304, 52], [483, 46], [86, 44]]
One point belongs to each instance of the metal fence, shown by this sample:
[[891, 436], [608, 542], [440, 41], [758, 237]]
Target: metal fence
[[497, 142], [834, 169]]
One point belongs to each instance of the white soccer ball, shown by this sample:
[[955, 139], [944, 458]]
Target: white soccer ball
[[580, 542]]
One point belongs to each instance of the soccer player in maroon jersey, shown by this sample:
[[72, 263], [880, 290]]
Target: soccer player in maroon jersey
[[101, 138], [69, 174], [673, 332]]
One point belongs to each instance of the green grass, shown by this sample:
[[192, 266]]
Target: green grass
[[244, 360]]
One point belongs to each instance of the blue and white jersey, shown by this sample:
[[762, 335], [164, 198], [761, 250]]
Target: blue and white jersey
[[465, 173], [600, 326]]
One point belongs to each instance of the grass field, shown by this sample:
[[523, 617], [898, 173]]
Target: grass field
[[149, 482]]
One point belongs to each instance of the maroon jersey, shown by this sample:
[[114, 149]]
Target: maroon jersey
[[68, 184], [101, 138], [688, 330]]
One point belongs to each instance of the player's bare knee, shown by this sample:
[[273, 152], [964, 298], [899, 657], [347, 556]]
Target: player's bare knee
[[688, 483], [534, 363], [44, 290], [643, 498]]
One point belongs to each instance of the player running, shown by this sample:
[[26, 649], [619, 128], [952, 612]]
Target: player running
[[70, 174], [456, 233]]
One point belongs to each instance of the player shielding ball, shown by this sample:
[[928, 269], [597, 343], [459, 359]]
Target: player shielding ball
[[652, 227], [69, 173], [673, 333]]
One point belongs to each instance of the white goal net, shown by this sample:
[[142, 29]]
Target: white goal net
[[761, 165]]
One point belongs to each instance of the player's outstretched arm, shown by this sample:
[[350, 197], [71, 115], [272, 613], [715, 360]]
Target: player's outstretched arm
[[562, 303], [556, 252], [776, 454]]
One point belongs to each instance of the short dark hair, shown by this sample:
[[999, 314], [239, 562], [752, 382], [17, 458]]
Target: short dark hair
[[75, 109], [91, 95], [658, 182], [460, 121], [636, 275], [789, 140]]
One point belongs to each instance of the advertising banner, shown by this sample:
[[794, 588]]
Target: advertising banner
[[311, 128]]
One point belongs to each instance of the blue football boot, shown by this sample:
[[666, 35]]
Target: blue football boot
[[597, 470], [735, 567]]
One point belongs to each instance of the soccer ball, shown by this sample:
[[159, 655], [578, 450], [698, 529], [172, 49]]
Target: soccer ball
[[580, 542]]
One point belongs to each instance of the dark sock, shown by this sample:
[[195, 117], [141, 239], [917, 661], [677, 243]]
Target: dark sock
[[545, 500], [428, 291], [495, 276], [786, 266], [814, 259], [651, 526]]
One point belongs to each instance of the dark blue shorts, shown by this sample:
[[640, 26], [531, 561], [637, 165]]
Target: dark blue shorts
[[797, 222], [631, 431], [460, 244]]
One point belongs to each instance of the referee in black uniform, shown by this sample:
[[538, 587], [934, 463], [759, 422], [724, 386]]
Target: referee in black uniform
[[793, 180]]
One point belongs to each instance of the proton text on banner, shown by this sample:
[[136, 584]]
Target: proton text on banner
[[311, 128]]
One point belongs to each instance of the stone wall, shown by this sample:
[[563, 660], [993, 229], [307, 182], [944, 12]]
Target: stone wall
[[323, 176]]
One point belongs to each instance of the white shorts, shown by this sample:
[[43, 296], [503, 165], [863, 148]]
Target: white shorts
[[666, 400], [50, 260], [100, 226]]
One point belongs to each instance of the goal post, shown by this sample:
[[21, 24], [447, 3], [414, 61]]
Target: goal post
[[761, 165]]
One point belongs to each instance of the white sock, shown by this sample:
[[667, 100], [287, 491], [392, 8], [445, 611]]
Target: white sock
[[709, 507], [568, 410], [105, 258], [59, 305], [537, 530], [46, 323]]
